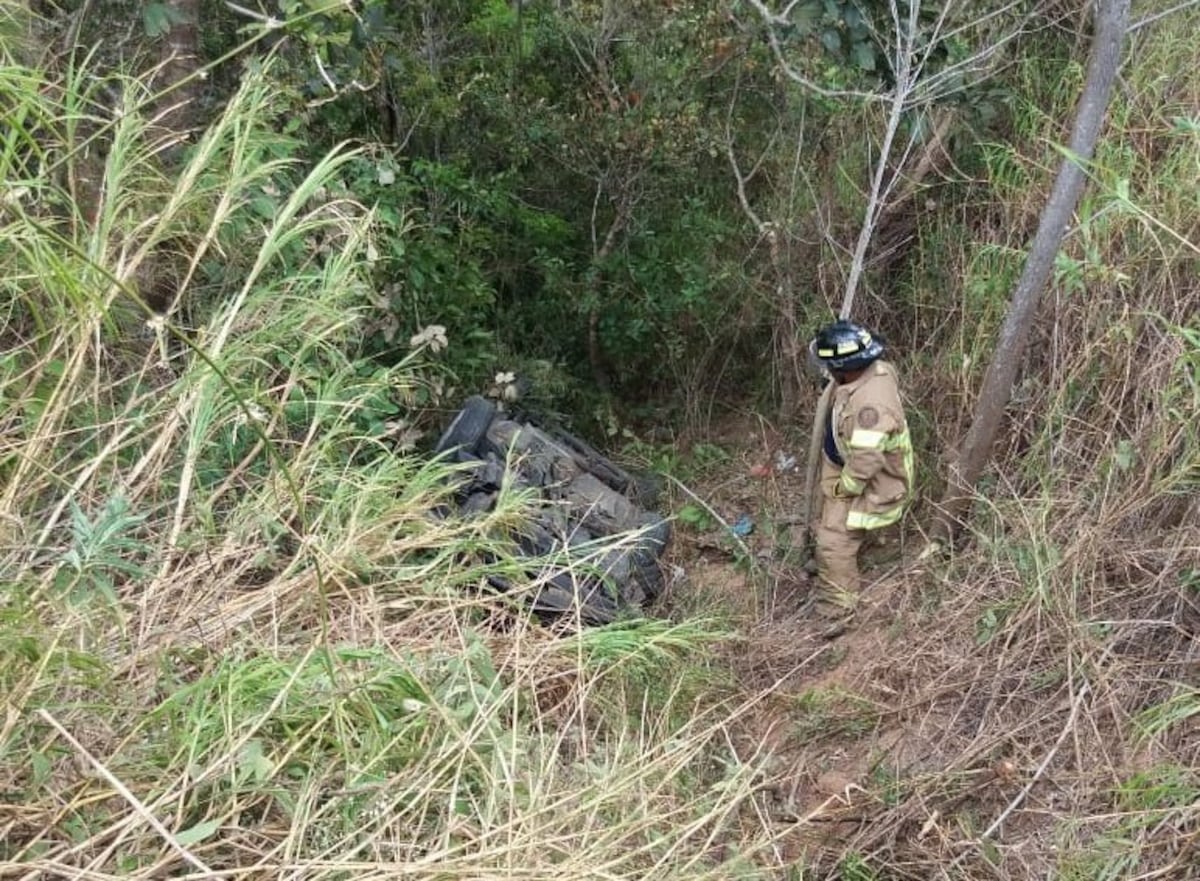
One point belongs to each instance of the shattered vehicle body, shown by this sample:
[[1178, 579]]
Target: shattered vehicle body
[[593, 550]]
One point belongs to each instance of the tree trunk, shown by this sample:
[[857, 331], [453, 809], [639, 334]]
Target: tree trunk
[[180, 58], [816, 442], [596, 359], [1112, 18]]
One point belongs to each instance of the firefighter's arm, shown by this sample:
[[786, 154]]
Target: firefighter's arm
[[866, 446]]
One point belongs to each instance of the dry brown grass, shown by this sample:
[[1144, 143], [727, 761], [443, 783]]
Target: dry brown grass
[[296, 673], [1028, 708]]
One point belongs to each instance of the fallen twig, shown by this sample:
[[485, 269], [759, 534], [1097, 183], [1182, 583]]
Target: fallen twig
[[124, 792]]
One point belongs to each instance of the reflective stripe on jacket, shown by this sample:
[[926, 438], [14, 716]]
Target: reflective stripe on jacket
[[872, 438]]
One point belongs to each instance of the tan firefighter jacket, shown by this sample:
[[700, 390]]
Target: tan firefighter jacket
[[872, 439]]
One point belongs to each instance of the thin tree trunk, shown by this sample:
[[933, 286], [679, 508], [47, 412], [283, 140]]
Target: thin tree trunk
[[906, 76], [1112, 17], [596, 289], [180, 54], [816, 442]]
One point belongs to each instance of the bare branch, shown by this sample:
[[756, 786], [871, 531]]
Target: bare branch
[[773, 22], [267, 21], [1150, 19], [737, 171], [905, 75], [741, 188], [941, 84]]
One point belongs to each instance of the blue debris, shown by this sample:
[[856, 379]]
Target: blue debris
[[743, 527]]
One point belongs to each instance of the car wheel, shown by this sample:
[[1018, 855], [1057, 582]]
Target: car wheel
[[468, 427]]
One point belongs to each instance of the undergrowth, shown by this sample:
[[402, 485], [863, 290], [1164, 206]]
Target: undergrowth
[[238, 633], [1040, 715], [239, 636]]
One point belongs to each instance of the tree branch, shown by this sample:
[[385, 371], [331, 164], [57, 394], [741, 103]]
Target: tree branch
[[906, 75], [773, 22], [1112, 17]]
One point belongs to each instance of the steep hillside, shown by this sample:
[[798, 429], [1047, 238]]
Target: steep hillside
[[242, 635]]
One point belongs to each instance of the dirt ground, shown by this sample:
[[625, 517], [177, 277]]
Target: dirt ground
[[827, 720], [903, 739]]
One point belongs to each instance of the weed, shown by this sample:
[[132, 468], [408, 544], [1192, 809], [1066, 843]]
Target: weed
[[854, 867], [824, 713], [294, 661], [103, 549], [991, 622], [695, 517], [1160, 719], [887, 783], [1157, 789]]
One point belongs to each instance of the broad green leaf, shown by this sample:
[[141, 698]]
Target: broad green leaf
[[863, 55], [197, 833], [254, 761], [1126, 455]]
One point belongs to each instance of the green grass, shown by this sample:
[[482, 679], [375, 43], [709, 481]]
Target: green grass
[[232, 636], [232, 632], [1142, 805], [833, 712]]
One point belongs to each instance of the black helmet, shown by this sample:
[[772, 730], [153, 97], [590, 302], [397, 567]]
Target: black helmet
[[845, 346]]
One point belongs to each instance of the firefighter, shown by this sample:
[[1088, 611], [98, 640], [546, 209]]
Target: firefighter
[[867, 466]]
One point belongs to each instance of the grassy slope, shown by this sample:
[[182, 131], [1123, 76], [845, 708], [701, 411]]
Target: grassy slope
[[1040, 688], [233, 636], [232, 639]]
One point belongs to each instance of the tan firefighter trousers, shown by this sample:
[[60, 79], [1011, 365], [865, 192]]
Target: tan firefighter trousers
[[837, 549]]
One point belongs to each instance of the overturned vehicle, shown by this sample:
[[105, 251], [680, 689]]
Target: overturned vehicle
[[593, 550]]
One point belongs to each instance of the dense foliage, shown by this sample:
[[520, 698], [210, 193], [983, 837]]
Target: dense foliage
[[239, 632], [559, 186]]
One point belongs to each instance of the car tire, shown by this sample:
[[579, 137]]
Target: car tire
[[468, 426]]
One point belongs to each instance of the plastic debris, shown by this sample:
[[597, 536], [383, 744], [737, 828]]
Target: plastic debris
[[743, 526], [784, 461]]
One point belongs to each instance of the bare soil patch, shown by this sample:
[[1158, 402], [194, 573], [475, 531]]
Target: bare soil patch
[[966, 727]]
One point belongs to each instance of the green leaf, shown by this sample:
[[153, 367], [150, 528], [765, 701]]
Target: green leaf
[[41, 768], [1126, 455], [831, 40], [158, 18], [805, 16], [1190, 579], [264, 206], [254, 761], [197, 833], [693, 516], [863, 55], [991, 853]]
